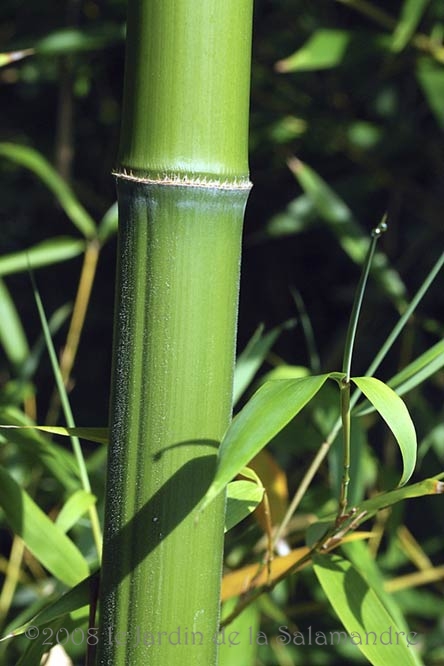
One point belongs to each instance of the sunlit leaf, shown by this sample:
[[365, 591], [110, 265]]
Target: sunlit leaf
[[242, 499], [74, 508], [12, 336], [323, 50], [14, 56], [370, 507], [265, 414], [49, 545], [99, 435], [362, 612], [238, 582], [394, 412], [411, 14]]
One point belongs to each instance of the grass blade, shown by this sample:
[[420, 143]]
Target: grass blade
[[52, 251], [323, 50], [77, 449], [242, 499], [368, 623], [42, 537], [73, 509], [12, 336], [265, 414], [35, 162]]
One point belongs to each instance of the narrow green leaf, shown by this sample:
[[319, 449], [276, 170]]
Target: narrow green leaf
[[73, 40], [394, 412], [370, 507], [297, 217], [341, 222], [77, 598], [66, 407], [31, 159], [73, 509], [430, 76], [52, 251], [265, 414], [42, 537], [426, 487], [242, 499], [12, 335], [369, 625], [411, 14], [98, 435], [108, 224], [323, 50], [414, 374], [251, 358], [359, 555], [59, 462]]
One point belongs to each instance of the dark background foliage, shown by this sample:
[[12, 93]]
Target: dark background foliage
[[370, 125]]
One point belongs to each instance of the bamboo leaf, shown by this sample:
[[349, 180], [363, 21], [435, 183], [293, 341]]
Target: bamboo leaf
[[73, 509], [31, 159], [394, 412], [368, 623], [364, 562], [12, 335], [430, 76], [98, 435], [265, 414], [108, 224], [251, 358], [75, 599], [434, 356], [58, 461], [72, 40], [411, 14], [323, 50], [412, 375], [48, 252], [242, 499], [431, 486], [341, 222], [42, 537]]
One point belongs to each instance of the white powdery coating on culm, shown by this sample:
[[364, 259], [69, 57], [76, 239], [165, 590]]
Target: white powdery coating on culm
[[179, 180]]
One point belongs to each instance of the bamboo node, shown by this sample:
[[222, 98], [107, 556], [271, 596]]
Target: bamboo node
[[184, 180]]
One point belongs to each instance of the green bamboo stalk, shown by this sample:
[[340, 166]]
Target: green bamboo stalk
[[182, 188]]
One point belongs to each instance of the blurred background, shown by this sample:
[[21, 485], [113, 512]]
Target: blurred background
[[347, 124]]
